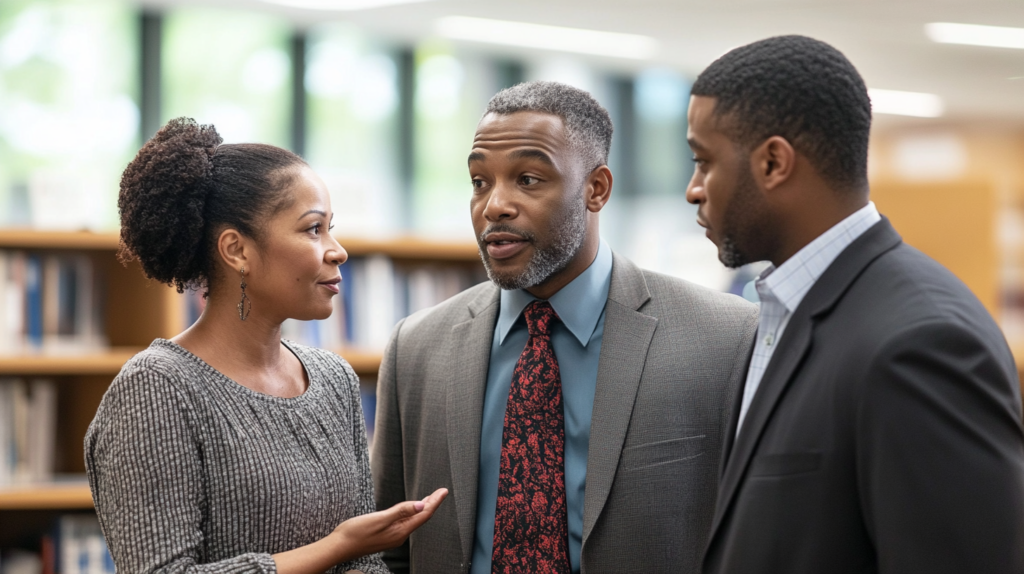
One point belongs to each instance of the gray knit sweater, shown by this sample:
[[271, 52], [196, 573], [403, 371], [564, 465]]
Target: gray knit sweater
[[193, 472]]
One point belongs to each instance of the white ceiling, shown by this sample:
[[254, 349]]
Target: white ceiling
[[885, 39]]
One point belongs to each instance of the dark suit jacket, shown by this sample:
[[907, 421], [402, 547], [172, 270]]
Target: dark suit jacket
[[671, 357], [885, 435]]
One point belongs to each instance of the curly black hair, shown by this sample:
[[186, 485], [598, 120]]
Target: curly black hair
[[184, 188], [801, 89]]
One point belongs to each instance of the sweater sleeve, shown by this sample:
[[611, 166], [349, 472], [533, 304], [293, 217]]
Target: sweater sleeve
[[372, 564], [144, 464]]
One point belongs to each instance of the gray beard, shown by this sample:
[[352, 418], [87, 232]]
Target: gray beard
[[548, 260]]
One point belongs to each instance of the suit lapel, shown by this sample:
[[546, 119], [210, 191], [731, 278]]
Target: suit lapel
[[795, 344], [469, 356], [627, 336], [790, 352], [739, 381]]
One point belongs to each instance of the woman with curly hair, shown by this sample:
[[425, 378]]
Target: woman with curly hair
[[226, 448]]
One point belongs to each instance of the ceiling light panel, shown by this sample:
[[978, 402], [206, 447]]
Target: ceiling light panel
[[916, 104], [340, 5], [556, 38], [975, 35]]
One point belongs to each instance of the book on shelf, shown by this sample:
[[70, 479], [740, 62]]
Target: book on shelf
[[28, 430], [50, 303], [368, 398], [376, 293], [79, 546], [75, 545]]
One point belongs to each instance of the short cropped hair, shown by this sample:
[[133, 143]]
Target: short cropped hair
[[588, 127], [801, 89]]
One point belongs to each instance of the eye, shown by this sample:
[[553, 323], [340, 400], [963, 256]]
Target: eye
[[315, 229], [528, 180]]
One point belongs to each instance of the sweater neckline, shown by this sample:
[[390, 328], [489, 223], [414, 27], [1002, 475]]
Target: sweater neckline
[[238, 388]]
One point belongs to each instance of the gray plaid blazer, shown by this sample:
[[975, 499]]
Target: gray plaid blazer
[[672, 359]]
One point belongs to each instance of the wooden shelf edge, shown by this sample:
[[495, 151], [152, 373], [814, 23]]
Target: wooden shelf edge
[[363, 362], [45, 497], [103, 363], [18, 238], [401, 247], [411, 247]]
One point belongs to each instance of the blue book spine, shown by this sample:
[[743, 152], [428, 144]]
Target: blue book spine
[[34, 300], [347, 281], [368, 396]]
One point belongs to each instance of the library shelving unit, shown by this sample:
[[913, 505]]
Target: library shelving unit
[[137, 310]]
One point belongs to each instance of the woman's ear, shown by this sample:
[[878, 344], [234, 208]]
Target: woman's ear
[[234, 249]]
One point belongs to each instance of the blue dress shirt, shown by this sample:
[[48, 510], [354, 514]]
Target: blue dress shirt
[[577, 343]]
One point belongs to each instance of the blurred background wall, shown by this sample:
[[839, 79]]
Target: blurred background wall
[[382, 97]]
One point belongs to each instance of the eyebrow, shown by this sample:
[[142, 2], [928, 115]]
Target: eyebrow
[[475, 156], [695, 144], [316, 211], [531, 154]]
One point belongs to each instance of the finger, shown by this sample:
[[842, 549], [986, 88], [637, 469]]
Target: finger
[[426, 507], [435, 498], [401, 511], [407, 525]]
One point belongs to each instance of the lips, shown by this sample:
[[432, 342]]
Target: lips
[[707, 228], [504, 245], [332, 284]]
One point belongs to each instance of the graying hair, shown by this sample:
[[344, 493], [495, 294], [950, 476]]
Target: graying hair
[[588, 127]]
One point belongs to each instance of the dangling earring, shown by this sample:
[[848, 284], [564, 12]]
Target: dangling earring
[[245, 305]]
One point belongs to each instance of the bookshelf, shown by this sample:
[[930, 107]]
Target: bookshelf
[[56, 496], [400, 247], [108, 362], [137, 311]]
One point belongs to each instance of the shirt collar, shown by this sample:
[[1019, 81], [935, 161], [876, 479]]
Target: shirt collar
[[790, 282], [579, 304]]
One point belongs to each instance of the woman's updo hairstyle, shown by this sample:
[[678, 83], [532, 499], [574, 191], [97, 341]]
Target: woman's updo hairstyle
[[184, 188]]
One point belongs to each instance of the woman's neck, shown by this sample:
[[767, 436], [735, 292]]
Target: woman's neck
[[249, 352]]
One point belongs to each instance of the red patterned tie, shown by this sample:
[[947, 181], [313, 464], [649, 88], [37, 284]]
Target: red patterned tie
[[531, 532]]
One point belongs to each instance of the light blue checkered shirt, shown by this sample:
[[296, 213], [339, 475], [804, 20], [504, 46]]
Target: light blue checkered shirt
[[782, 289]]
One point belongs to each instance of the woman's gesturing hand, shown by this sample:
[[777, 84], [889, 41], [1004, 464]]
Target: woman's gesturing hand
[[377, 531], [361, 535]]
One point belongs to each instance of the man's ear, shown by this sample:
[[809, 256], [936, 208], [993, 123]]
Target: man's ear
[[772, 163], [598, 189], [234, 249]]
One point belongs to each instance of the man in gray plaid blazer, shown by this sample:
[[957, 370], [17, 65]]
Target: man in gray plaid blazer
[[649, 367]]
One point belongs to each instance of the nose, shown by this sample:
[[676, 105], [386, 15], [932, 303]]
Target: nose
[[335, 254], [500, 203], [695, 191]]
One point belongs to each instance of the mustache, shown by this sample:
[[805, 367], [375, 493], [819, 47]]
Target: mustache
[[504, 228]]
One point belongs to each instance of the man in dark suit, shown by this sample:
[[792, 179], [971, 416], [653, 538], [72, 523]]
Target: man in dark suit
[[879, 425]]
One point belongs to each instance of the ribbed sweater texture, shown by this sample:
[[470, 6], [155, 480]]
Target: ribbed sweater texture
[[192, 472]]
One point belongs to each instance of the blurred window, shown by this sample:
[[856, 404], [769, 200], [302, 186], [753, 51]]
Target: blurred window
[[451, 94], [352, 87], [231, 69], [69, 123], [664, 161]]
